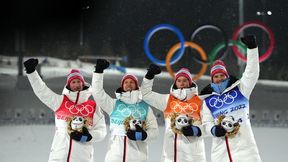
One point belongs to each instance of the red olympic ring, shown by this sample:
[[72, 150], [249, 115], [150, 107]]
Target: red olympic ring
[[254, 24]]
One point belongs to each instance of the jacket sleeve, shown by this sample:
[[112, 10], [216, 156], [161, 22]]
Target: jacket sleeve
[[207, 119], [100, 96], [159, 101], [152, 126], [99, 130], [45, 94], [251, 73]]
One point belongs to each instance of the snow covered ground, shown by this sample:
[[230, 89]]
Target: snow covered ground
[[31, 143]]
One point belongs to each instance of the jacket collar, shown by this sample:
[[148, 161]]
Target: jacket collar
[[185, 93], [231, 84], [130, 97], [79, 96]]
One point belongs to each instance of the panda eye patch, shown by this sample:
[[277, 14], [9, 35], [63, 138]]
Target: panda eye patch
[[224, 123], [185, 120], [179, 120], [80, 119], [134, 121], [230, 125]]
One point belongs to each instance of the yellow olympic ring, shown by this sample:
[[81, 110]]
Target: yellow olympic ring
[[187, 44]]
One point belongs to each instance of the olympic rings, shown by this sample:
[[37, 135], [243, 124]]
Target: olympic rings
[[219, 46], [204, 61], [254, 24], [192, 45], [208, 26], [154, 30]]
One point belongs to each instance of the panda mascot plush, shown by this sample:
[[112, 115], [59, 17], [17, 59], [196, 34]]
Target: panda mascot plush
[[229, 124], [130, 123], [77, 123], [178, 121]]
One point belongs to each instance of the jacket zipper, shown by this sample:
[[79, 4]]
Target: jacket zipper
[[175, 148], [124, 153], [228, 149], [69, 152], [70, 143]]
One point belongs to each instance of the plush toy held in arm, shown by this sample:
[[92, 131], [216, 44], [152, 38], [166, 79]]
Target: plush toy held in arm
[[77, 129], [226, 126], [135, 129], [182, 124]]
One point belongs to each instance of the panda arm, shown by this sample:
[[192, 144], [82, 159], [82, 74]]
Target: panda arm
[[152, 126], [45, 94], [98, 130]]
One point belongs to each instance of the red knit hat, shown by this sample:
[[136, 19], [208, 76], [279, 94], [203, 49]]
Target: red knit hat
[[74, 74], [218, 67], [130, 76], [185, 73]]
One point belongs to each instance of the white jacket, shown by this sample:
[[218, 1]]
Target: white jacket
[[79, 151], [242, 147], [185, 149], [120, 146]]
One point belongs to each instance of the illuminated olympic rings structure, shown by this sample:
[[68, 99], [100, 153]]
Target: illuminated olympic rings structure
[[163, 27], [205, 60], [261, 25], [218, 29]]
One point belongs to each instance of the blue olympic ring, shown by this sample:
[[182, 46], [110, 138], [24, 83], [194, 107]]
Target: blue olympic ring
[[153, 30]]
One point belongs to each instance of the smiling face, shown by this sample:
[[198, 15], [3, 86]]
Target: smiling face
[[76, 85], [182, 82], [129, 85], [219, 77]]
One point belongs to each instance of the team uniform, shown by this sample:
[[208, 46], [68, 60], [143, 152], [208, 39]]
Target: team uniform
[[67, 106], [233, 101], [177, 147], [126, 104]]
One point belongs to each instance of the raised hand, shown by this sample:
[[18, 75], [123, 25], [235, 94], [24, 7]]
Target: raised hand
[[30, 65], [249, 41], [101, 64], [152, 71]]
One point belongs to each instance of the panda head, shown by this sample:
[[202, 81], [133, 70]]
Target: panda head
[[181, 121], [228, 123], [134, 122], [77, 123]]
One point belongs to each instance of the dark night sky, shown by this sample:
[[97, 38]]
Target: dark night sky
[[118, 27]]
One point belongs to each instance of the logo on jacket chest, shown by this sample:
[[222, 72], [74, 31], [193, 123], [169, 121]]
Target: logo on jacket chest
[[69, 109], [184, 108], [122, 111], [231, 102]]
